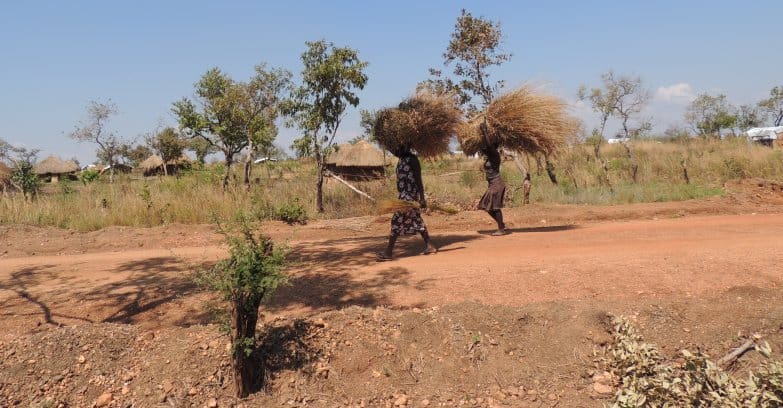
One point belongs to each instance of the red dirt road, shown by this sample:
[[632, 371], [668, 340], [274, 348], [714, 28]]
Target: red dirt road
[[682, 257]]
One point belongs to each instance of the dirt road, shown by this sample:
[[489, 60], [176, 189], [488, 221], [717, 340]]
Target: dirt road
[[684, 257]]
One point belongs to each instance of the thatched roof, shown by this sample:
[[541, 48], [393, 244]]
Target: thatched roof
[[55, 165], [361, 154], [155, 161]]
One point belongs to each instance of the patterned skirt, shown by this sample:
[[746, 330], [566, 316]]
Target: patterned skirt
[[493, 198], [407, 222]]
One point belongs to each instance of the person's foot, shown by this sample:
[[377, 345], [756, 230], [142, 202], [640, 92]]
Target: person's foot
[[430, 250], [500, 232], [383, 256]]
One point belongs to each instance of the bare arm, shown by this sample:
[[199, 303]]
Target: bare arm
[[417, 172]]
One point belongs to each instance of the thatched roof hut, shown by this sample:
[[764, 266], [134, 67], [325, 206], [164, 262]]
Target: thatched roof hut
[[154, 165], [359, 161], [55, 167]]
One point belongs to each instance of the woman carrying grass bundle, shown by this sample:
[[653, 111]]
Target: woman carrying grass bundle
[[410, 188], [492, 200]]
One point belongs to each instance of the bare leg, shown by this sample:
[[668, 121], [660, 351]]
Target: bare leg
[[389, 247], [497, 215], [428, 247]]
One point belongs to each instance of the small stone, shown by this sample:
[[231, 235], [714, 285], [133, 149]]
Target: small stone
[[212, 403], [167, 386], [401, 401], [552, 397], [82, 359], [204, 346], [125, 390], [103, 400], [425, 403], [603, 389], [192, 391]]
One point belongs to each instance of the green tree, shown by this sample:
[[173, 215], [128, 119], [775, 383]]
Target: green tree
[[23, 178], [94, 130], [168, 145], [317, 106], [201, 148], [749, 116], [774, 105], [233, 116], [136, 154], [708, 115], [259, 101], [248, 277], [473, 50]]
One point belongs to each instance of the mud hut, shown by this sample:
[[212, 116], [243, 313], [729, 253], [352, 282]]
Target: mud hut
[[55, 168], [358, 162], [154, 165]]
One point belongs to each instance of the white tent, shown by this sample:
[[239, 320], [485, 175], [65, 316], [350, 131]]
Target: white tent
[[765, 133]]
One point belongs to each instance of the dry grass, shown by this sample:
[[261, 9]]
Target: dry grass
[[522, 120], [424, 122], [453, 183]]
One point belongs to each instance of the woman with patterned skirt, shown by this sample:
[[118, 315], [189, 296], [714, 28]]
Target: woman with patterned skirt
[[410, 188]]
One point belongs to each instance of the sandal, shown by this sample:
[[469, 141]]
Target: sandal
[[381, 257], [500, 233]]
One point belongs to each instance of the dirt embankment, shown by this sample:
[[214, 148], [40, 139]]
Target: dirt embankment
[[112, 316]]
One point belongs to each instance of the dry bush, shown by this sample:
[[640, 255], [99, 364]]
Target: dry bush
[[646, 379]]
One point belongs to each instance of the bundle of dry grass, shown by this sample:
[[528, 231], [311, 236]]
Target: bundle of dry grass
[[424, 122], [522, 120], [392, 206]]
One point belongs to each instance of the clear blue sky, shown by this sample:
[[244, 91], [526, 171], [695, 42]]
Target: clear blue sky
[[59, 55]]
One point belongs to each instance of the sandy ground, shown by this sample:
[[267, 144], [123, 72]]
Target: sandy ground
[[702, 274]]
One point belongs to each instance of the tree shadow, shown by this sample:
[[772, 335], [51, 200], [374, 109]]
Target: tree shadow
[[281, 348], [22, 280], [550, 228], [324, 276]]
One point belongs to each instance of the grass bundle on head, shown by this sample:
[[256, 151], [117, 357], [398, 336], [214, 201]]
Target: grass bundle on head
[[469, 135], [424, 122], [521, 120], [531, 122]]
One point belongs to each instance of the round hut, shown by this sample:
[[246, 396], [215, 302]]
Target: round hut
[[154, 165], [360, 161], [55, 168]]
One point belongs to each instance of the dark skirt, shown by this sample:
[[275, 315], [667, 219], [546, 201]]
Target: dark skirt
[[407, 222], [493, 198]]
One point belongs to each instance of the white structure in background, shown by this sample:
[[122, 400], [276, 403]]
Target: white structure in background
[[765, 135], [618, 140]]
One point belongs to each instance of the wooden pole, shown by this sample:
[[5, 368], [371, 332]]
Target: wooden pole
[[356, 190]]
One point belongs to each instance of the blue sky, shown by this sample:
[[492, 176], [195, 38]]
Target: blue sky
[[59, 55]]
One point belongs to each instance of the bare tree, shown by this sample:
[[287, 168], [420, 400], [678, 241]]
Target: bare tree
[[94, 130], [624, 98]]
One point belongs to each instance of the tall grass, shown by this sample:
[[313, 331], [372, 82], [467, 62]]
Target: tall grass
[[196, 196]]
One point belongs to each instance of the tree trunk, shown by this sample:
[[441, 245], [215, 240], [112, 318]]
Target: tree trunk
[[319, 183], [248, 164], [550, 170], [228, 173], [632, 159], [248, 374], [165, 167]]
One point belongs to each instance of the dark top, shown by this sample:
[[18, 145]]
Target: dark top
[[492, 164]]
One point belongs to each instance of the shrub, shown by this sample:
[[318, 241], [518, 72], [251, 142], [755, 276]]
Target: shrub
[[88, 176], [292, 212], [248, 277]]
